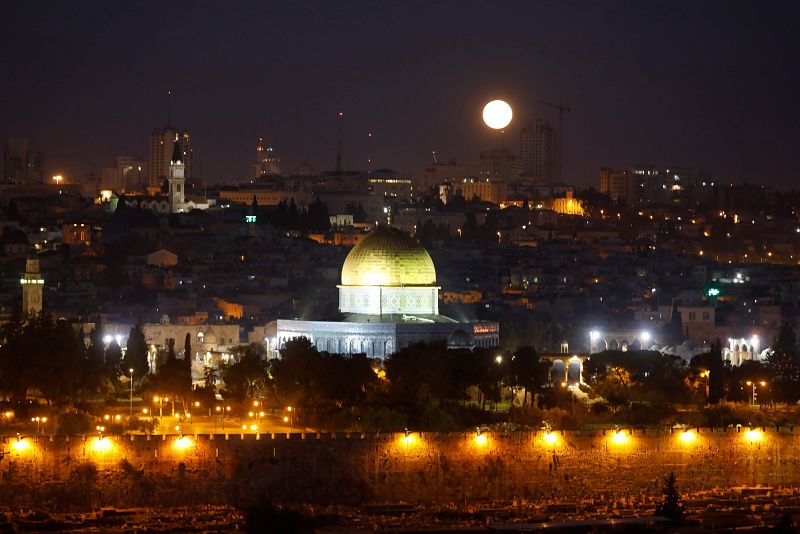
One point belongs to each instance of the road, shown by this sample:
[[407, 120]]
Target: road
[[268, 424]]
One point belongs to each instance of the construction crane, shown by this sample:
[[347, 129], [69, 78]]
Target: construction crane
[[561, 107]]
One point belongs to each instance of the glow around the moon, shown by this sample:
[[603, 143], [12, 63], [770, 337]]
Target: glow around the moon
[[497, 114]]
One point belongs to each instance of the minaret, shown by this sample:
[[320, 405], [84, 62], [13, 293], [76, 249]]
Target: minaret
[[177, 179], [32, 286]]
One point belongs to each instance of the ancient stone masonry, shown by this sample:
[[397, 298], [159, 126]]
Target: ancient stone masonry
[[358, 468]]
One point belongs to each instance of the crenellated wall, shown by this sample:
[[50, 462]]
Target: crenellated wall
[[351, 469]]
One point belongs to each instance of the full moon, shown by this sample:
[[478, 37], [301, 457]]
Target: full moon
[[497, 114]]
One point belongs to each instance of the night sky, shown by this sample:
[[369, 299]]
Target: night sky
[[708, 84]]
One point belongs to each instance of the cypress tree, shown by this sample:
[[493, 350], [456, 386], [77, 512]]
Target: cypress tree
[[716, 380], [670, 507]]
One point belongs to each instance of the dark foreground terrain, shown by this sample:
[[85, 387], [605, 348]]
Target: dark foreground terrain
[[750, 509]]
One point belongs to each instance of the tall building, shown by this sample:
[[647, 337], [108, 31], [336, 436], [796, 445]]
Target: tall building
[[540, 152], [20, 165], [162, 143], [268, 163], [32, 286]]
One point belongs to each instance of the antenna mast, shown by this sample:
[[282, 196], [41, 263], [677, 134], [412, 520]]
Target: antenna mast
[[339, 146], [369, 153]]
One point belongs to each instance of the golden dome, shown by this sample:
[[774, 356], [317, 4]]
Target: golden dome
[[388, 257]]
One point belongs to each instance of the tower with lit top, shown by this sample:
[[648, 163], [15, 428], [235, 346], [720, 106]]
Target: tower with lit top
[[32, 288], [268, 163], [177, 179]]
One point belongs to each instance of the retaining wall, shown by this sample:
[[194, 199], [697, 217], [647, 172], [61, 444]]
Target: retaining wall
[[356, 468]]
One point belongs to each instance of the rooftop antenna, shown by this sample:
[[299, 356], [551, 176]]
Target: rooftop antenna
[[339, 145], [369, 153], [435, 161], [169, 94]]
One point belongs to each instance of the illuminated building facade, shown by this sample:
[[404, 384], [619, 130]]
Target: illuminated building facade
[[568, 205], [645, 184], [390, 300]]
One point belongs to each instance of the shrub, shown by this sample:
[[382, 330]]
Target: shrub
[[74, 422], [435, 419], [382, 419]]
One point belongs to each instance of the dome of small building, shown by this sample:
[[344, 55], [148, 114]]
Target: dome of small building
[[210, 338], [388, 257], [460, 340]]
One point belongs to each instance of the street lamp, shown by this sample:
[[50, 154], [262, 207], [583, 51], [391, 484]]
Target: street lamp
[[290, 418], [39, 421], [752, 385], [130, 411], [644, 338], [222, 413], [160, 401]]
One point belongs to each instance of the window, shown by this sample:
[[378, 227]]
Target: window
[[706, 316], [692, 316]]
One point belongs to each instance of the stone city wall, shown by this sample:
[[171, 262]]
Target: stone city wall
[[358, 468]]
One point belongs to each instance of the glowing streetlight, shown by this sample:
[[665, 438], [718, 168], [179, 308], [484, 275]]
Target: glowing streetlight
[[160, 401], [57, 179], [753, 384], [644, 337], [497, 114]]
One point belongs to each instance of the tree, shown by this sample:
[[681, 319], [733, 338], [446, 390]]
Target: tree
[[114, 357], [97, 379], [42, 356], [623, 376], [296, 372], [357, 211], [210, 378], [784, 364], [136, 352], [96, 351], [528, 371], [208, 392], [671, 506], [421, 373], [716, 376], [673, 332], [173, 377], [317, 217], [248, 375]]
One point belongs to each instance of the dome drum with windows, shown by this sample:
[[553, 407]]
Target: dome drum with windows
[[388, 272]]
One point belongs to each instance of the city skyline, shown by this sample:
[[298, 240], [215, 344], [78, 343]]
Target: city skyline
[[656, 84]]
